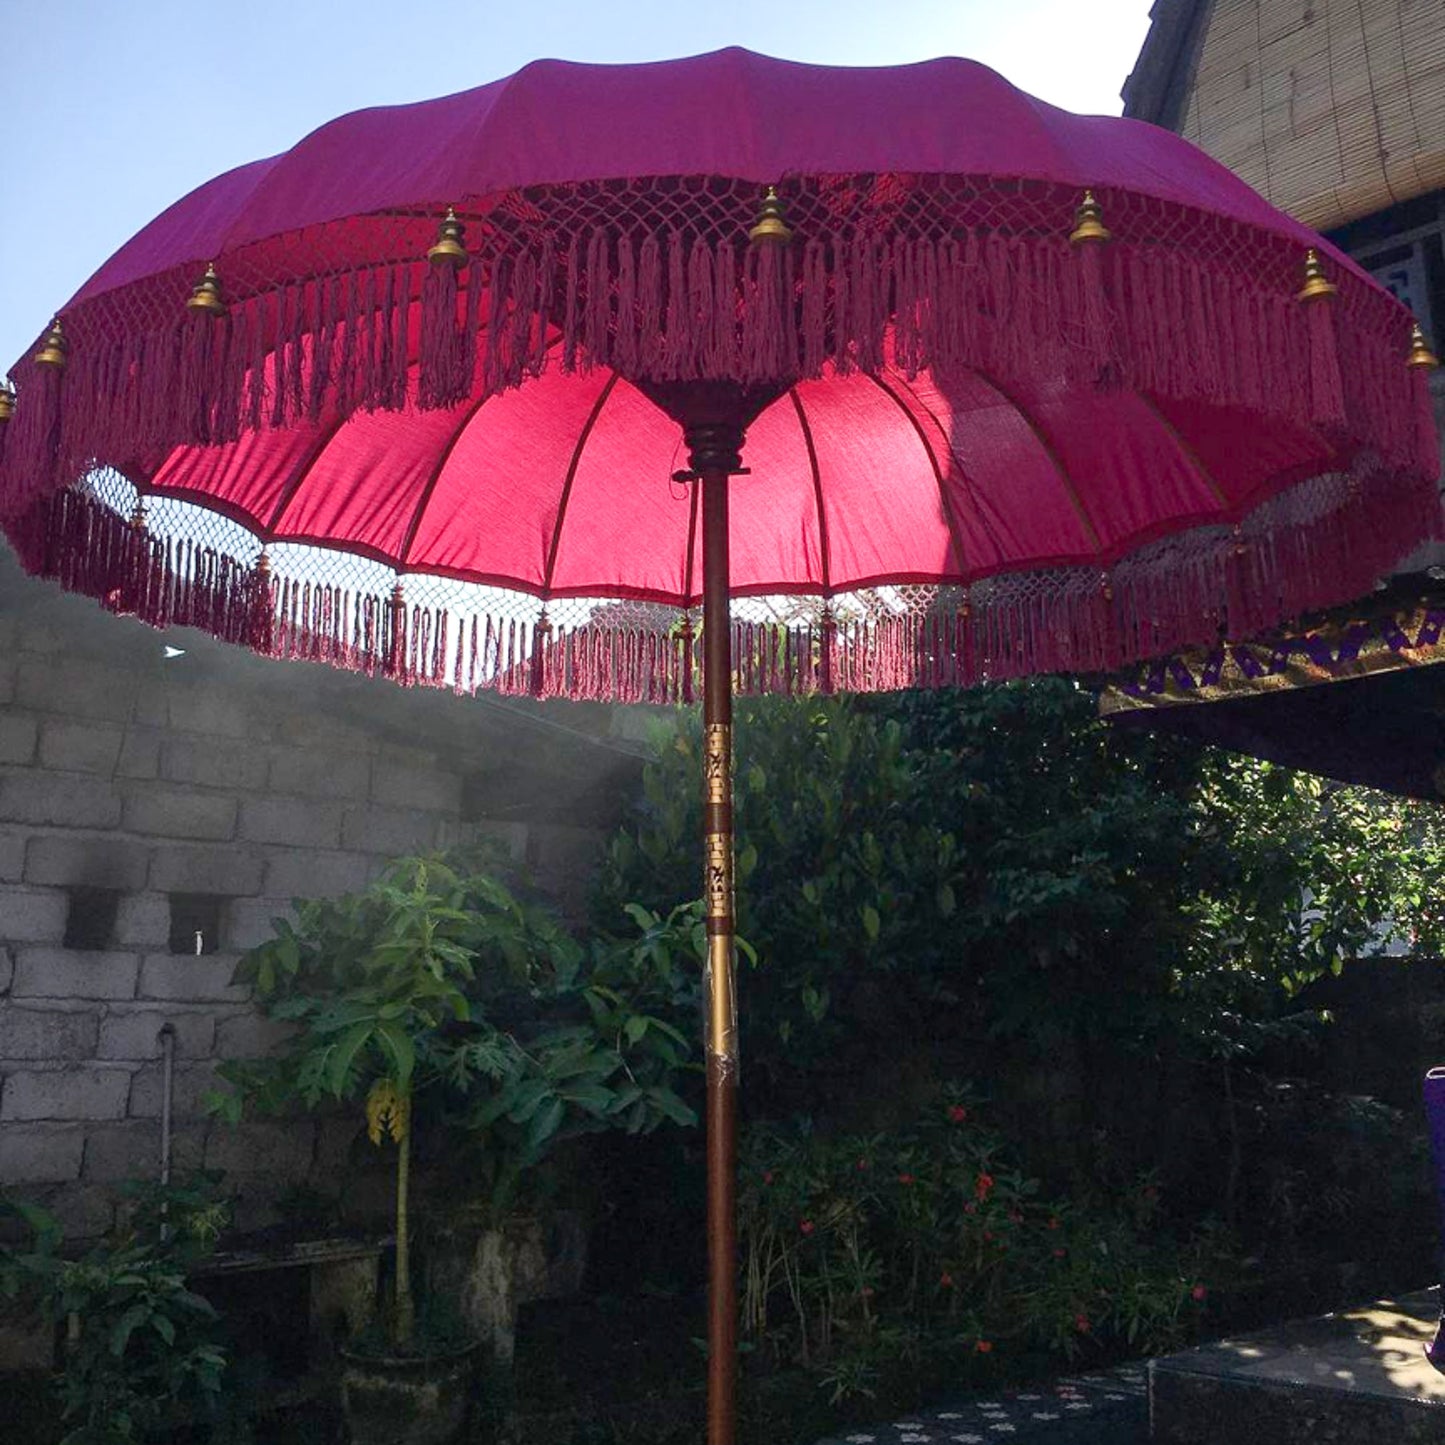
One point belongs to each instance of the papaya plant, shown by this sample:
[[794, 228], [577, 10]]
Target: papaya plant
[[441, 981]]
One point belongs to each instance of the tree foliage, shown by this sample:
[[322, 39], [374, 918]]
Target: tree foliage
[[998, 865]]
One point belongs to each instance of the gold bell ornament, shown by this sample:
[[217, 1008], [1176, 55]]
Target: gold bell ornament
[[206, 295], [771, 228], [1089, 223], [53, 348], [449, 249], [1420, 353], [1317, 286]]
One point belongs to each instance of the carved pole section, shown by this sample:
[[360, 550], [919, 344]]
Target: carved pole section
[[715, 456]]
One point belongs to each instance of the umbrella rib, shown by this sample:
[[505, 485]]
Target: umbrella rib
[[954, 531], [430, 486], [288, 492], [1051, 451], [691, 546], [1188, 452], [817, 490], [582, 437]]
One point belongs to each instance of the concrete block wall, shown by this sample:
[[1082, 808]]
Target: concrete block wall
[[121, 771]]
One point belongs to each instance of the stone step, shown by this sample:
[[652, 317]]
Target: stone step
[[1345, 1379]]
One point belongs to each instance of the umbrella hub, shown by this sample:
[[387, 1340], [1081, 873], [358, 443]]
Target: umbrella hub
[[714, 416]]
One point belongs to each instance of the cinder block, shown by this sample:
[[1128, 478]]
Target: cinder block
[[190, 1085], [291, 821], [84, 1211], [512, 839], [67, 973], [296, 873], [250, 1036], [314, 728], [63, 861], [41, 1153], [283, 1148], [394, 785], [143, 920], [392, 832], [137, 1035], [50, 1034], [64, 1094], [62, 800], [188, 979], [33, 915], [237, 765], [180, 813], [80, 747], [206, 710], [12, 856], [140, 753], [334, 773], [132, 1150], [76, 687], [17, 738], [249, 921], [229, 872]]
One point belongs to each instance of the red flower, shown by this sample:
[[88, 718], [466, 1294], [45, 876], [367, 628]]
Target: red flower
[[866, 1291], [862, 1166], [1199, 1293], [807, 1226], [1060, 1253], [767, 1176], [1081, 1323], [905, 1179], [1014, 1217], [945, 1280], [970, 1208], [1054, 1222], [983, 1185], [957, 1113], [988, 1236], [983, 1346]]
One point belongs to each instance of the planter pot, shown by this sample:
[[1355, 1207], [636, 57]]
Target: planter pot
[[392, 1400]]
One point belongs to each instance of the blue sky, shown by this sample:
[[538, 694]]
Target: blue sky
[[118, 107]]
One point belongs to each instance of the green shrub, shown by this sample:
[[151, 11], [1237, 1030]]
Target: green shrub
[[860, 1250]]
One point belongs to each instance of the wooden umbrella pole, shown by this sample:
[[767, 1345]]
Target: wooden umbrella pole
[[715, 457]]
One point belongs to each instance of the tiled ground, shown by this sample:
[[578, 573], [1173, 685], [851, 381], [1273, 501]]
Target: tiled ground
[[1110, 1409]]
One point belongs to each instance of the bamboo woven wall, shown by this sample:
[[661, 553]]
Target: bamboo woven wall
[[1331, 108]]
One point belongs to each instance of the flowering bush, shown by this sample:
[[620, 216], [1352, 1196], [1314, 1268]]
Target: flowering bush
[[858, 1249]]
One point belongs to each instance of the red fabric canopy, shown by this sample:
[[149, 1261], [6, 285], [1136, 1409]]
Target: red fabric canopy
[[993, 451]]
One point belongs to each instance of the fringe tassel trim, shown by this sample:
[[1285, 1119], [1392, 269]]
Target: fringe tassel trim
[[1236, 587]]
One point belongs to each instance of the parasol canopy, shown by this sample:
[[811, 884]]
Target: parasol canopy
[[1004, 440], [1015, 390]]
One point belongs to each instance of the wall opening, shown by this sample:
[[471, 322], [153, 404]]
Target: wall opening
[[90, 917], [196, 922]]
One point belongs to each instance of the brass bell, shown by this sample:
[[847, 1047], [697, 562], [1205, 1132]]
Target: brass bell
[[263, 563], [1420, 353], [206, 294], [771, 228], [1089, 223], [53, 348], [7, 403], [449, 250], [138, 516], [1317, 286]]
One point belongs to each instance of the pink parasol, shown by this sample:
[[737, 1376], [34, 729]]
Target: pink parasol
[[1020, 391]]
